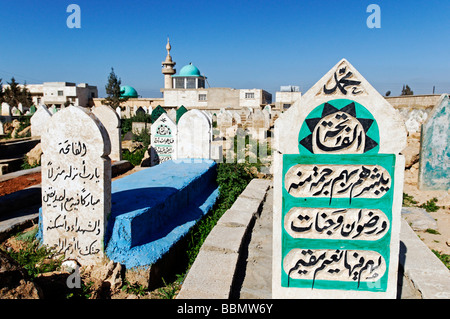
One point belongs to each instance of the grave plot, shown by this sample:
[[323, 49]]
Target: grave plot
[[135, 220], [338, 181], [154, 208]]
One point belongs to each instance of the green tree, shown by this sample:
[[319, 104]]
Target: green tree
[[113, 97], [13, 93], [407, 90], [25, 96]]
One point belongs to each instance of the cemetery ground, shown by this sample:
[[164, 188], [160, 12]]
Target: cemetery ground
[[40, 273]]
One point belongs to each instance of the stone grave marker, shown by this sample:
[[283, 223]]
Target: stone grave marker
[[194, 136], [21, 108], [15, 111], [163, 140], [172, 114], [259, 125], [39, 120], [33, 109], [434, 163], [76, 185], [111, 122], [224, 121], [140, 110], [127, 112], [338, 186], [6, 109]]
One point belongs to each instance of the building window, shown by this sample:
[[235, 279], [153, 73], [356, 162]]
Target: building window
[[249, 95], [60, 93], [179, 83], [202, 97], [190, 83], [286, 106], [201, 83]]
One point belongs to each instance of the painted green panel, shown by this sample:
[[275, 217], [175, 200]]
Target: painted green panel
[[383, 203]]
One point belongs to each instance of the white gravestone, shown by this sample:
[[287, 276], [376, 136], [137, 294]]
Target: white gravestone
[[111, 122], [338, 186], [39, 120], [163, 140], [194, 136], [6, 109], [76, 184]]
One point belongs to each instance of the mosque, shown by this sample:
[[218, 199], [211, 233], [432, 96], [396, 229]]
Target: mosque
[[190, 88]]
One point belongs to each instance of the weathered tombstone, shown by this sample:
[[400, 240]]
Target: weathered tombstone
[[194, 136], [33, 109], [21, 108], [172, 114], [127, 113], [259, 125], [111, 122], [15, 111], [224, 121], [237, 120], [163, 140], [338, 186], [434, 163], [76, 185], [39, 120], [6, 109], [140, 111], [140, 128]]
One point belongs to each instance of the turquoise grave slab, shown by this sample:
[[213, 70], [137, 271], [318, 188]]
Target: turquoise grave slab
[[154, 208]]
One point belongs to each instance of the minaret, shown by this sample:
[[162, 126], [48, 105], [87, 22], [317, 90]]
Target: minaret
[[168, 69]]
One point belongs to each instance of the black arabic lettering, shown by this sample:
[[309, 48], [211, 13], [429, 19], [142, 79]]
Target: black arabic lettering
[[342, 83]]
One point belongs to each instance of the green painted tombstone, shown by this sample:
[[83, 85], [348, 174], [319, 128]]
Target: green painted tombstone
[[181, 110], [32, 109], [338, 185], [434, 164], [156, 113]]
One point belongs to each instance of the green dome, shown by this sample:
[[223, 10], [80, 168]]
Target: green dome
[[128, 91], [189, 70]]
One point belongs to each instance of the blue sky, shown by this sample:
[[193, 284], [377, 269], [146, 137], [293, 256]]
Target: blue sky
[[235, 43]]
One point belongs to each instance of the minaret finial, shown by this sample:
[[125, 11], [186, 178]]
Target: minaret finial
[[168, 47]]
